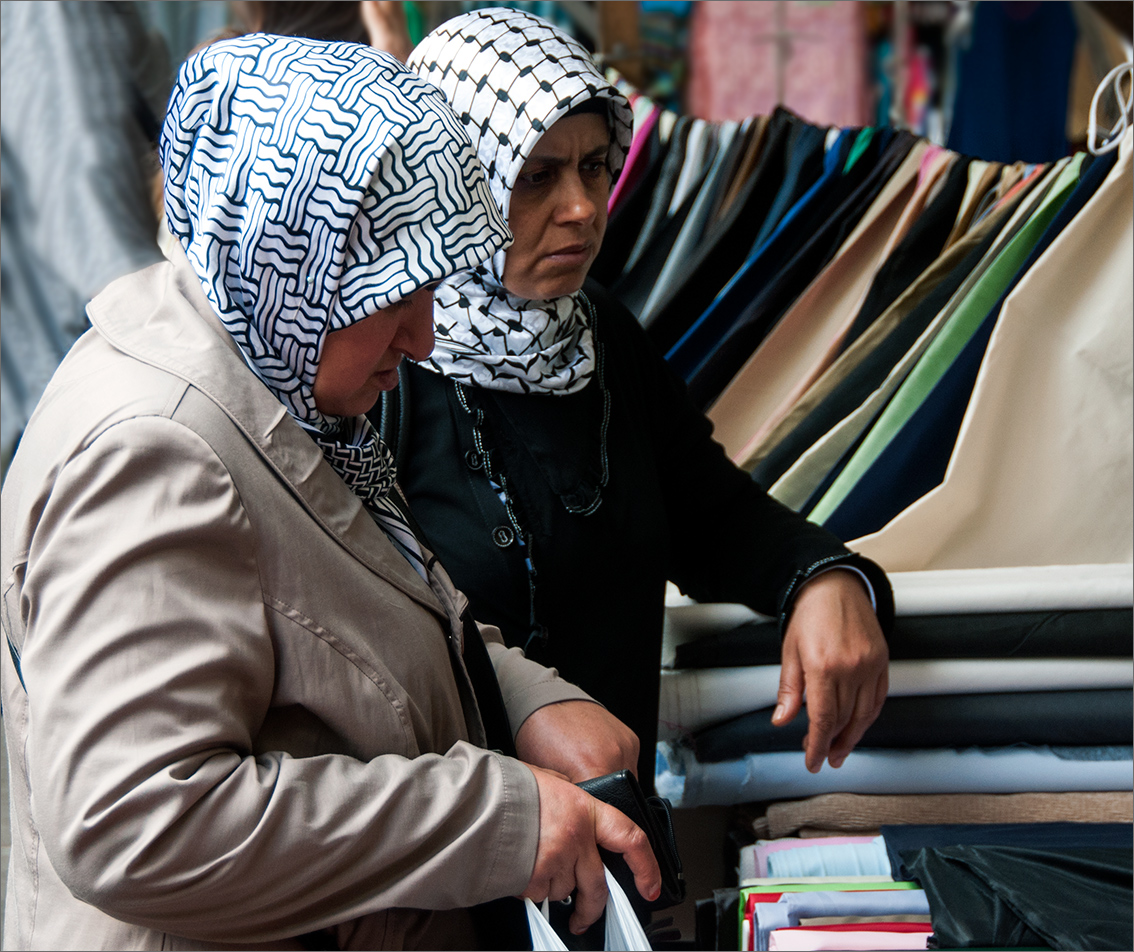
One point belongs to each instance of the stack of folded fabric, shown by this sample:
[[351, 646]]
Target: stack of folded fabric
[[1030, 885], [1002, 681]]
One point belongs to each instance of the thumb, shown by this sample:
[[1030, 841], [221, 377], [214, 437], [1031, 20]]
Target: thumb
[[789, 698], [615, 831]]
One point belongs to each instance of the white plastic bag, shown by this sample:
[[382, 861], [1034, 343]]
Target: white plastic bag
[[623, 931]]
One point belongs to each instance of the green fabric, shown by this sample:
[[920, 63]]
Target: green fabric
[[949, 342], [861, 144]]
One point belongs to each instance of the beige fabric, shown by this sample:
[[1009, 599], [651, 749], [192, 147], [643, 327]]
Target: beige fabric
[[842, 814], [983, 177], [995, 220], [1043, 466], [245, 714], [802, 343]]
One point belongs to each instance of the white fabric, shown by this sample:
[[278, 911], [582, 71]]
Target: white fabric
[[510, 76], [695, 698], [784, 776], [1043, 467]]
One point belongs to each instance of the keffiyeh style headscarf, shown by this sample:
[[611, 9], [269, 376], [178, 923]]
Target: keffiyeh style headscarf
[[510, 76], [310, 185]]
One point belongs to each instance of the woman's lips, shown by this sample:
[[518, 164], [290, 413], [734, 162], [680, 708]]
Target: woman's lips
[[570, 256], [386, 379]]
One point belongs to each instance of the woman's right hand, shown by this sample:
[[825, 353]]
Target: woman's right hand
[[572, 825]]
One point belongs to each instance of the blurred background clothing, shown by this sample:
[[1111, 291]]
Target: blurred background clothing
[[83, 88]]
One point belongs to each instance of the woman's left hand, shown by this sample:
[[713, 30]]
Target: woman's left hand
[[834, 648], [578, 739]]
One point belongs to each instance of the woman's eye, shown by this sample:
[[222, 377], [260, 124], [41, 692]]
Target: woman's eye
[[537, 178], [594, 168]]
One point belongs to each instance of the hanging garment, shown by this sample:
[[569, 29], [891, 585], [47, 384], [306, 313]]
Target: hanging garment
[[848, 396], [727, 146], [686, 782], [1002, 896], [932, 366], [1098, 717], [1023, 463], [627, 219], [915, 461], [798, 347], [923, 243], [694, 699], [726, 245], [1013, 80], [866, 813], [639, 156]]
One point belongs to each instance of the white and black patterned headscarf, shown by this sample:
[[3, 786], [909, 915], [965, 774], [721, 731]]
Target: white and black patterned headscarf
[[310, 184], [510, 76]]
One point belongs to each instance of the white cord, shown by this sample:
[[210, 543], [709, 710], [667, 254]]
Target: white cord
[[1113, 79]]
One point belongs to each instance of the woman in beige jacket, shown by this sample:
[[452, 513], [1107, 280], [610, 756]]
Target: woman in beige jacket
[[241, 700]]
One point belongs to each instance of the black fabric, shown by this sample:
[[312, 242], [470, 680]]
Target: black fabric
[[494, 716], [625, 223], [922, 244], [674, 508], [821, 239], [1086, 633], [725, 246], [916, 460], [1003, 896], [1061, 718], [805, 155], [864, 379]]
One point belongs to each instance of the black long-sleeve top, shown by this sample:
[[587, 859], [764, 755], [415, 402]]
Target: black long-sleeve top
[[607, 493]]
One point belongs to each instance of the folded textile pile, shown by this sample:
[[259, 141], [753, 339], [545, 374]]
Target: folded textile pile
[[1032, 885], [1004, 681]]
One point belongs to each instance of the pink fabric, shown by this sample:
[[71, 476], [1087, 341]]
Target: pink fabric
[[865, 935], [740, 60], [764, 847], [635, 159], [929, 163]]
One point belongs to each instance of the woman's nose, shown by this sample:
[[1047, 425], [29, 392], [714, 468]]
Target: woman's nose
[[415, 335], [577, 204]]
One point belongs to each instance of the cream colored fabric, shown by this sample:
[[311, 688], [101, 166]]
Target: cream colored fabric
[[861, 814], [1042, 469], [802, 343]]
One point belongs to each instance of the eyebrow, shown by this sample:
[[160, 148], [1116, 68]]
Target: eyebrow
[[596, 152]]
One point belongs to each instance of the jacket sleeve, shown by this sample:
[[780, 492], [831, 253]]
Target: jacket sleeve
[[730, 540], [149, 669]]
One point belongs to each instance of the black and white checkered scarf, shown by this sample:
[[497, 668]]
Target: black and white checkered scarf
[[510, 76]]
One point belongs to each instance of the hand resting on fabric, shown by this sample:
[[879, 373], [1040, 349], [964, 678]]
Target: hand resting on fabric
[[833, 648]]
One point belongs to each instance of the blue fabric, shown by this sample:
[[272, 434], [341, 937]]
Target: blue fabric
[[808, 162], [916, 459], [754, 274], [1013, 82], [825, 859]]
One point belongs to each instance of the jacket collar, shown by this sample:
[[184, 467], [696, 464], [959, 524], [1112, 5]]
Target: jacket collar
[[160, 316]]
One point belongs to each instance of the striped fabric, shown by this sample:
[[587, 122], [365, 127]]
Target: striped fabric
[[312, 184], [510, 76]]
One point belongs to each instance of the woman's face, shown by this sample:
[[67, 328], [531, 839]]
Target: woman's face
[[558, 209], [360, 361]]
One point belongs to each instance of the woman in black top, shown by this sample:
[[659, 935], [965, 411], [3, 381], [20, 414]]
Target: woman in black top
[[554, 461]]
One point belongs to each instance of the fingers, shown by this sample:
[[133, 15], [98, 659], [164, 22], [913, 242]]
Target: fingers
[[789, 699], [572, 827], [828, 712], [616, 832]]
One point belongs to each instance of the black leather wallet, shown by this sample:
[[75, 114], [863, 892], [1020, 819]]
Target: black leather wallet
[[654, 815]]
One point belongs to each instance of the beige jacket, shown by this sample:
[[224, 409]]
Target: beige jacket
[[242, 715]]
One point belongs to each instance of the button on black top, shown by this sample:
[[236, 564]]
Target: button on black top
[[474, 460], [503, 536]]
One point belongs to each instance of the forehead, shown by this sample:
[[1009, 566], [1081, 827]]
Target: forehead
[[581, 134]]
